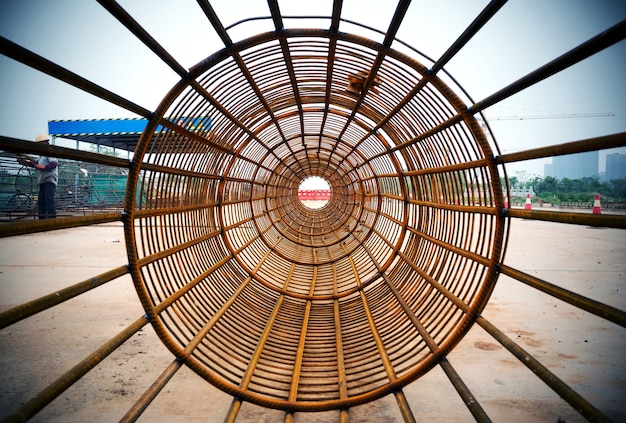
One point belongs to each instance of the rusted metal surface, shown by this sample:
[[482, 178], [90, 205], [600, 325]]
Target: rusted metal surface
[[305, 309], [306, 270]]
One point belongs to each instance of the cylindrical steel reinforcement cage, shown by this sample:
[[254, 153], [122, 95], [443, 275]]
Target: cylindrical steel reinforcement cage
[[397, 265], [302, 309]]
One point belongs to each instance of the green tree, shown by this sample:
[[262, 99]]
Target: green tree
[[547, 184]]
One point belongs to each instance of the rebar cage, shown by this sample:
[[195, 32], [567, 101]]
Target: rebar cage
[[284, 280], [304, 309]]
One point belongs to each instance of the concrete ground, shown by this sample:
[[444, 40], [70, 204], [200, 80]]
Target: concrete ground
[[586, 352]]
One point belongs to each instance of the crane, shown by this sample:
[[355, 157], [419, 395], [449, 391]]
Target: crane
[[551, 116]]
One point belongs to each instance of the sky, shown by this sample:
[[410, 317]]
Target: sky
[[524, 35]]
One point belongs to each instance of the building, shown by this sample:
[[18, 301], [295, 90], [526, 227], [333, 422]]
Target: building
[[574, 166], [615, 167]]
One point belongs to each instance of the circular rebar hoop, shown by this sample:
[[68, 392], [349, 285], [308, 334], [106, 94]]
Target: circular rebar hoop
[[313, 309]]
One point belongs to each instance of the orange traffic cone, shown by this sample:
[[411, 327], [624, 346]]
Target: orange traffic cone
[[506, 201], [528, 204], [597, 209]]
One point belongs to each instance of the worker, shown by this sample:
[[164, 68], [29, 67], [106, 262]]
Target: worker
[[47, 178]]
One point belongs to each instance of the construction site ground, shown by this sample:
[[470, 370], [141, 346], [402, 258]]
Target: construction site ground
[[585, 351]]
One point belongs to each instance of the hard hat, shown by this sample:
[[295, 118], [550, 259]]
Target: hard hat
[[42, 137]]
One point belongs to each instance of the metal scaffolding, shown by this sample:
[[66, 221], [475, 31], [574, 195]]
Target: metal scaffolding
[[304, 309]]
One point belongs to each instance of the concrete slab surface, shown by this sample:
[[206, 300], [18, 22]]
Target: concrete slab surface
[[585, 351]]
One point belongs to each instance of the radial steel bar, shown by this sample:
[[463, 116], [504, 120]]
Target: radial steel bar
[[15, 314], [394, 26], [144, 401], [22, 55], [33, 226], [276, 15], [403, 404], [461, 388], [602, 310], [233, 410], [597, 220], [189, 286], [405, 409], [582, 146], [488, 12], [217, 25], [561, 388], [341, 367], [215, 21], [297, 368], [596, 44], [133, 26], [16, 145], [223, 33], [150, 394], [337, 5], [56, 388], [468, 398]]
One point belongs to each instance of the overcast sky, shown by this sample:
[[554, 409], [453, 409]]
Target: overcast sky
[[81, 36]]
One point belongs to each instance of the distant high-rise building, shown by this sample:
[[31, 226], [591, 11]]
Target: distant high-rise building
[[574, 166], [547, 169], [615, 167]]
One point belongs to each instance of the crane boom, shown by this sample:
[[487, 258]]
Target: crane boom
[[552, 116]]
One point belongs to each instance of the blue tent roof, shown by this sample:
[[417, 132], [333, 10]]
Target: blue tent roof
[[63, 128], [118, 133]]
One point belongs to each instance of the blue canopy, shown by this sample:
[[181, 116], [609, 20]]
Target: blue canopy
[[117, 133]]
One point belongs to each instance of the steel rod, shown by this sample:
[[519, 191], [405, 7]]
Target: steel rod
[[35, 226], [133, 26], [488, 12], [22, 146], [150, 394], [22, 55], [582, 146], [56, 388], [580, 404], [599, 309], [596, 220], [30, 308], [594, 45]]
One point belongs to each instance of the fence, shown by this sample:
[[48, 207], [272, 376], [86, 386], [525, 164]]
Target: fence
[[82, 188]]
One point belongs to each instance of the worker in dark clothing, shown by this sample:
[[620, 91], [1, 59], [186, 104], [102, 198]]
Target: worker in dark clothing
[[47, 178]]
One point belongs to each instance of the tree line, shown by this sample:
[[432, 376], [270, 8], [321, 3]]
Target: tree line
[[553, 190]]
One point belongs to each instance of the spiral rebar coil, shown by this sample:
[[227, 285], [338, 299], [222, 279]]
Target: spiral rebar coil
[[305, 309]]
